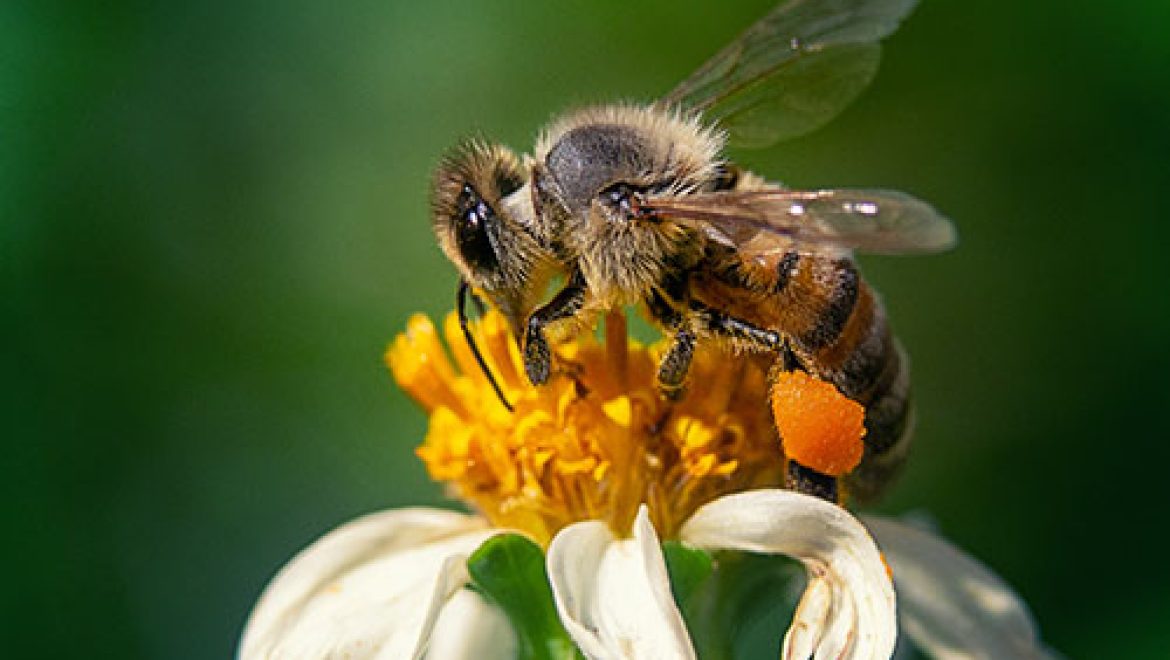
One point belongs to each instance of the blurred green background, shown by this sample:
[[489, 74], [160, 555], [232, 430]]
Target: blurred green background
[[213, 217]]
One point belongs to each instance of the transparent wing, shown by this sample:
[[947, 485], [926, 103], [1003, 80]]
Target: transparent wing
[[876, 221], [793, 70]]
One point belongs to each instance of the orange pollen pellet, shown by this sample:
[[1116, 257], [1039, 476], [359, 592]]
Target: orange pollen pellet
[[820, 427]]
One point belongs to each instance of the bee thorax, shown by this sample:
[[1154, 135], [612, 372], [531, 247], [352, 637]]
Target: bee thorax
[[622, 263]]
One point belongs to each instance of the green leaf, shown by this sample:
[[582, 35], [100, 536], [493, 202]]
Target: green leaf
[[509, 571]]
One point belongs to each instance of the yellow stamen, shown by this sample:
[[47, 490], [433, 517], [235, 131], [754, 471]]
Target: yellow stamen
[[595, 442]]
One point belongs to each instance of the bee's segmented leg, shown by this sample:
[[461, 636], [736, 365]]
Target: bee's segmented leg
[[667, 302], [810, 482], [676, 362], [672, 371], [720, 323], [699, 318], [537, 354], [788, 360], [798, 478]]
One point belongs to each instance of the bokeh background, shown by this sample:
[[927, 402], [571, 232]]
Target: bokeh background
[[213, 217]]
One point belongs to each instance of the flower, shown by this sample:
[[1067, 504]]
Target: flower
[[596, 469], [596, 442], [950, 604]]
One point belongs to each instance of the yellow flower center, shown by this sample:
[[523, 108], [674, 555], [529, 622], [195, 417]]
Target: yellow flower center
[[597, 440]]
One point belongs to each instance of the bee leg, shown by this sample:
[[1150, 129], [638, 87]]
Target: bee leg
[[537, 354], [720, 323], [810, 482], [788, 360], [676, 362], [672, 371], [798, 477]]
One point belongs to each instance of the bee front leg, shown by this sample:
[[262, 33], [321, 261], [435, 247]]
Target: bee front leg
[[537, 354]]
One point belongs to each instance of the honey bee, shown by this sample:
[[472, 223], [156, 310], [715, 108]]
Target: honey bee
[[637, 205]]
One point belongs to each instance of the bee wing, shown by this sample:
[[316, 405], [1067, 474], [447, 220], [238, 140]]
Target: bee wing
[[793, 70], [876, 221]]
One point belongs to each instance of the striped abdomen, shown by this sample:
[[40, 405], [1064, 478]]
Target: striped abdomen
[[835, 327]]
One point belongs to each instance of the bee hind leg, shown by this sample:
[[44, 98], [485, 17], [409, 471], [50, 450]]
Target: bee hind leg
[[800, 478], [797, 477], [810, 482]]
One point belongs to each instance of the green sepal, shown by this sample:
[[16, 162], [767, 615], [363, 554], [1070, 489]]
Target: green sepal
[[509, 571]]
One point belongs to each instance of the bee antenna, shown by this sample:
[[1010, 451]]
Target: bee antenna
[[461, 307], [477, 302]]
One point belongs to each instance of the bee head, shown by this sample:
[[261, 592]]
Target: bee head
[[474, 212]]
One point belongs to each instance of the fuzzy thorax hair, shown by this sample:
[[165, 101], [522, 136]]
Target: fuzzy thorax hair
[[587, 160]]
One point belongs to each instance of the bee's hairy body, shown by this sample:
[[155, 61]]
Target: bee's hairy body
[[636, 205], [810, 302], [805, 306], [834, 326]]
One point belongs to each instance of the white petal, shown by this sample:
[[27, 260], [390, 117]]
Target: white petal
[[838, 553], [952, 606], [808, 623], [452, 577], [613, 595], [470, 627], [366, 589]]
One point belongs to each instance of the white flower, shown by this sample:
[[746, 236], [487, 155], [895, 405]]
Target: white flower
[[379, 587], [386, 586], [597, 467], [390, 586], [616, 602], [952, 606]]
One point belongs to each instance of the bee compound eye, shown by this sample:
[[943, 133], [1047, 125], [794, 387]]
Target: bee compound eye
[[472, 226]]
